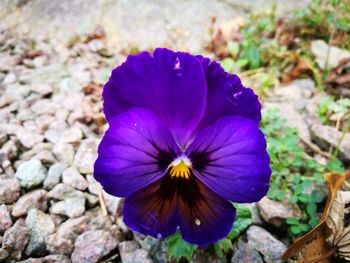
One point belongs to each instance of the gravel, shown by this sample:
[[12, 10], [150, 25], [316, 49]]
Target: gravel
[[31, 173]]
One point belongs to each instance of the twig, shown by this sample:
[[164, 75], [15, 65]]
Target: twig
[[316, 149], [102, 202], [113, 257], [337, 125], [335, 153], [334, 27]]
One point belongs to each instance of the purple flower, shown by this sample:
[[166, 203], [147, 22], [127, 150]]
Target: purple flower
[[183, 141]]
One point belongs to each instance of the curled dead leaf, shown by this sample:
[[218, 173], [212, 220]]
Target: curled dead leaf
[[318, 244], [338, 222], [338, 81], [301, 67], [228, 31]]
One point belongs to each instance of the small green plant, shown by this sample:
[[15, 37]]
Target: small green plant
[[328, 106], [178, 248], [242, 222], [296, 177], [320, 18]]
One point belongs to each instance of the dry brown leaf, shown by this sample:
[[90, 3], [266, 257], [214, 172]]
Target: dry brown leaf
[[312, 247], [338, 221], [338, 82], [228, 31], [300, 68]]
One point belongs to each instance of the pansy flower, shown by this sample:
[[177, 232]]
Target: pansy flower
[[183, 143]]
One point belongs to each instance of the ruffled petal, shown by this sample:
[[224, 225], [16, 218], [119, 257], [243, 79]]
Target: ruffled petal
[[135, 151], [170, 84], [205, 217], [153, 209], [226, 96], [202, 216], [230, 158]]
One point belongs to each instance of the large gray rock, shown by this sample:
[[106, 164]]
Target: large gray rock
[[28, 139], [72, 135], [9, 190], [113, 203], [40, 226], [15, 239], [72, 177], [276, 212], [31, 173], [130, 252], [63, 191], [326, 136], [245, 253], [92, 245], [297, 93], [156, 247], [35, 199], [57, 244], [322, 50], [266, 244], [86, 155], [5, 219], [8, 151], [62, 242], [71, 207], [94, 187], [64, 152], [54, 175], [55, 130]]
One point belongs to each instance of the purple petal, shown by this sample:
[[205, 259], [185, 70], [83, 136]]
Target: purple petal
[[230, 158], [135, 151], [226, 96], [152, 210], [203, 217], [170, 84]]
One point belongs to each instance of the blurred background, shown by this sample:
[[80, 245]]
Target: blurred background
[[131, 24], [55, 57]]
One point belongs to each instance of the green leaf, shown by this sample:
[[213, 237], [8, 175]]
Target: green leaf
[[233, 48], [304, 198], [243, 220], [298, 189], [227, 64], [293, 199], [242, 62], [251, 53], [292, 221], [223, 245], [318, 177], [313, 222], [311, 209], [281, 195], [316, 196], [295, 230], [304, 227], [178, 248], [335, 165]]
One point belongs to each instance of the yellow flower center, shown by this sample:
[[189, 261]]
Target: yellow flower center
[[181, 168]]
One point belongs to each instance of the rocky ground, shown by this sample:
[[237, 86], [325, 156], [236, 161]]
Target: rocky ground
[[51, 208]]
